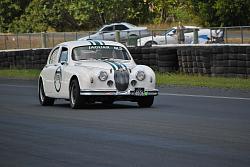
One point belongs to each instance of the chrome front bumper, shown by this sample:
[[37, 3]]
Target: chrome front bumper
[[153, 92]]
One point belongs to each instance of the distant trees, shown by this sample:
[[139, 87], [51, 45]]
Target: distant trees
[[222, 12], [71, 15]]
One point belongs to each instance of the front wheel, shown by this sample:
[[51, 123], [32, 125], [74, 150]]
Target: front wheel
[[146, 102], [74, 95], [44, 100]]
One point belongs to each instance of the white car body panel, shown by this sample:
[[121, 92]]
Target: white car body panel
[[124, 34], [170, 36], [56, 76]]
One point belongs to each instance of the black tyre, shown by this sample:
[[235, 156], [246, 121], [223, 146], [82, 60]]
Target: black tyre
[[75, 98], [108, 102], [44, 100], [150, 43], [146, 102]]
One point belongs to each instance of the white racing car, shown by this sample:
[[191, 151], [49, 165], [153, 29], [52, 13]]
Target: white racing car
[[170, 36], [95, 71], [107, 32]]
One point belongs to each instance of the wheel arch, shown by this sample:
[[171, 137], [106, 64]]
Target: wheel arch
[[73, 77], [151, 42]]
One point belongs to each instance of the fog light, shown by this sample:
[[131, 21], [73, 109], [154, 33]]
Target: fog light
[[110, 83], [133, 82]]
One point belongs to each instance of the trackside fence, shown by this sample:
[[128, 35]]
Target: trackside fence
[[231, 35]]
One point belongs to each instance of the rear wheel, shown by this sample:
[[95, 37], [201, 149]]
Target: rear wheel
[[44, 100], [74, 95], [150, 43], [146, 102]]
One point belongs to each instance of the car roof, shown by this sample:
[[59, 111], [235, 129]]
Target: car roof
[[73, 44], [127, 24], [187, 27]]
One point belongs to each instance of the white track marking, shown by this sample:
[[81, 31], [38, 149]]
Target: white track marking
[[204, 96]]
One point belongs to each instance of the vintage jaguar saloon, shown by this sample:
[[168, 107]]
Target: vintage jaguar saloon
[[95, 71]]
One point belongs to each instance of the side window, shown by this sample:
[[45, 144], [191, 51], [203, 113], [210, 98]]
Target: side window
[[107, 29], [189, 30], [54, 56], [64, 55], [120, 27]]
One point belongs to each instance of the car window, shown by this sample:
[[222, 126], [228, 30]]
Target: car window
[[63, 55], [107, 29], [189, 30], [121, 27], [99, 52], [54, 56]]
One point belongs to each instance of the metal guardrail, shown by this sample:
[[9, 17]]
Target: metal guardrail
[[232, 35]]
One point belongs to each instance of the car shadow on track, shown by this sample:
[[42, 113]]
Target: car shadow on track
[[96, 106]]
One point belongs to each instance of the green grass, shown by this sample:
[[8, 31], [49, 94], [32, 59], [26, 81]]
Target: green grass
[[162, 79], [202, 81], [22, 74]]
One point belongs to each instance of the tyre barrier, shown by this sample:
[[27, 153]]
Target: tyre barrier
[[211, 60], [23, 59]]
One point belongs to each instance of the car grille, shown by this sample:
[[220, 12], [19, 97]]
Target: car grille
[[121, 79]]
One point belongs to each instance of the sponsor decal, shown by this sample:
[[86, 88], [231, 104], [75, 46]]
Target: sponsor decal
[[98, 47], [58, 79]]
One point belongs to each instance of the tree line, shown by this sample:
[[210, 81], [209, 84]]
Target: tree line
[[74, 15]]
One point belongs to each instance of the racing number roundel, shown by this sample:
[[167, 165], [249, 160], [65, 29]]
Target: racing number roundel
[[58, 79]]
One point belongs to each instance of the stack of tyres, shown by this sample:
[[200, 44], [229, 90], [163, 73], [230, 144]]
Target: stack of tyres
[[248, 61], [146, 56], [204, 63], [153, 62], [5, 64], [218, 68], [241, 62], [1, 59], [136, 54], [28, 58], [229, 61], [167, 59]]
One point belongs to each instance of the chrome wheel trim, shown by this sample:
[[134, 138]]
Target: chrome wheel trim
[[41, 93], [72, 95]]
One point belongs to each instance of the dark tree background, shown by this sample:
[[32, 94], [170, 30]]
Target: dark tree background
[[73, 15]]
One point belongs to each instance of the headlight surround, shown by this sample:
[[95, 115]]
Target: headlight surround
[[103, 76], [140, 75]]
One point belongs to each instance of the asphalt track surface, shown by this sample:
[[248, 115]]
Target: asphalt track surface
[[194, 127]]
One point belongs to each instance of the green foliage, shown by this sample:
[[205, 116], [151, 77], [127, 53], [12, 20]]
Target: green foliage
[[71, 15], [222, 12]]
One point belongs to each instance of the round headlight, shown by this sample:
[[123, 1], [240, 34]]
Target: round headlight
[[103, 76], [140, 75]]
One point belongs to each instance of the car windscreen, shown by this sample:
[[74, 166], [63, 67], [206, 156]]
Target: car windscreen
[[169, 31], [101, 52]]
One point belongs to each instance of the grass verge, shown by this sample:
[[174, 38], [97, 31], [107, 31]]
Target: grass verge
[[162, 79], [202, 81], [20, 74]]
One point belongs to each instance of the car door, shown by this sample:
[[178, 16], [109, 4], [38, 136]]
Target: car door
[[63, 73], [124, 31], [49, 72]]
